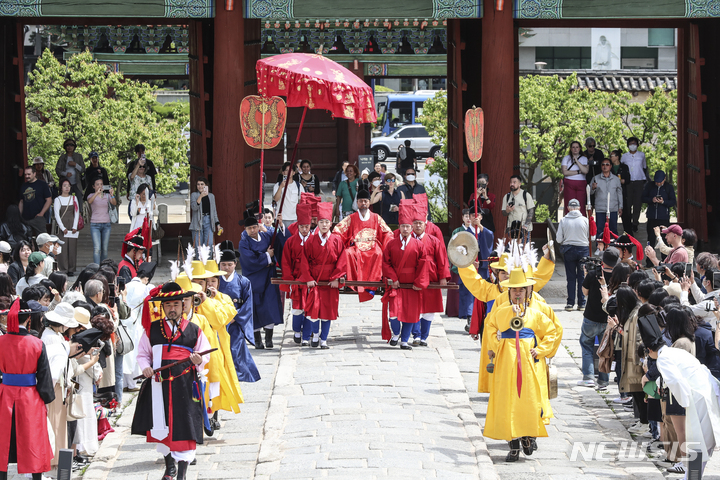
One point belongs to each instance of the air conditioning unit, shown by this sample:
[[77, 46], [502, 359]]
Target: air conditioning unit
[[638, 63]]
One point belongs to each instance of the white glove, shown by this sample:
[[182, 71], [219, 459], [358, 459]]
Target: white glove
[[462, 250], [499, 335]]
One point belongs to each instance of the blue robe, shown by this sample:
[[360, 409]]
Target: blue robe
[[485, 243], [267, 304], [239, 290]]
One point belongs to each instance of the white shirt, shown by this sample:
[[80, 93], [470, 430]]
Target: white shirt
[[570, 165], [636, 164], [292, 197], [60, 204], [367, 215]]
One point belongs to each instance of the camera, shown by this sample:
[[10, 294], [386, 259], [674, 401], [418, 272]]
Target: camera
[[384, 187], [661, 268], [592, 264]]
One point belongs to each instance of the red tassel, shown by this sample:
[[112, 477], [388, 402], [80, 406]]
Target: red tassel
[[147, 238], [13, 319], [638, 248], [146, 319], [593, 226]]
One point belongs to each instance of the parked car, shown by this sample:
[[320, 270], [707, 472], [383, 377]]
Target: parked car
[[387, 146]]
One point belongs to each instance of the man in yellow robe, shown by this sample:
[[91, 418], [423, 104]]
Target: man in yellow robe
[[515, 408]]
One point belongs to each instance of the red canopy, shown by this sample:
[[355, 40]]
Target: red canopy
[[316, 82]]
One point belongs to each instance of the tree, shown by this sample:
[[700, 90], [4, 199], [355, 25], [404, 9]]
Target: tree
[[103, 112], [434, 119]]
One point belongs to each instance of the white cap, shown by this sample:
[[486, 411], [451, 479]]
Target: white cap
[[64, 314], [5, 247]]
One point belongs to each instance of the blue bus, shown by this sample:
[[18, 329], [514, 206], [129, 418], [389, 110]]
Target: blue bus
[[395, 110]]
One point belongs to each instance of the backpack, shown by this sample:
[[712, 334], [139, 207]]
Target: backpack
[[507, 197]]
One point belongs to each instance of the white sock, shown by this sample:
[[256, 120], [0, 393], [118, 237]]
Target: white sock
[[316, 337], [298, 334], [323, 343], [404, 344], [395, 338]]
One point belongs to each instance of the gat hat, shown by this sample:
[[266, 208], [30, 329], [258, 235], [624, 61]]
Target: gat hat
[[574, 203], [325, 211], [212, 267], [501, 264], [38, 161], [44, 238], [228, 256], [5, 247], [304, 213], [517, 279], [248, 220], [93, 154], [198, 270], [610, 257], [627, 242], [36, 257], [187, 285], [650, 332], [19, 311], [363, 194], [146, 270], [673, 229], [64, 314], [171, 291], [659, 176], [135, 239], [82, 317]]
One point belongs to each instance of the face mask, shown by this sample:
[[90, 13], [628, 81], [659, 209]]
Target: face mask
[[410, 178], [376, 183], [633, 147]]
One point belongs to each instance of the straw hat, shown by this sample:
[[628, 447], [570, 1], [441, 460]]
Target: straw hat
[[501, 263], [517, 279], [186, 284], [198, 270], [212, 267]]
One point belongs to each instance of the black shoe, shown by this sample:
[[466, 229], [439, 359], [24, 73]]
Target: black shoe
[[209, 431], [215, 422], [315, 343], [467, 326], [422, 343], [70, 274], [297, 339], [182, 470], [194, 462], [512, 456], [526, 445], [258, 341], [405, 347], [268, 338], [170, 470], [393, 343], [533, 442], [324, 347]]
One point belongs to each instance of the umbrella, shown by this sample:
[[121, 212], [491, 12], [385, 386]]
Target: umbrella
[[316, 82]]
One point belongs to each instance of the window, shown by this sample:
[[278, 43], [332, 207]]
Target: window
[[408, 133], [639, 57], [400, 114], [566, 58], [661, 37]]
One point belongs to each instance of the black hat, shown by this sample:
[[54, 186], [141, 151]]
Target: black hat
[[610, 257], [228, 256], [135, 242], [228, 245], [650, 332], [88, 338], [147, 270], [362, 193], [171, 291], [249, 219]]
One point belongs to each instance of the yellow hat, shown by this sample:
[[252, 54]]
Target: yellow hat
[[186, 284], [212, 267], [517, 279], [530, 274], [500, 264], [199, 270]]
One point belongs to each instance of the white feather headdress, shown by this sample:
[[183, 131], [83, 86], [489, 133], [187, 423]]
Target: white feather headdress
[[174, 269], [187, 266], [204, 253], [500, 247], [218, 254]]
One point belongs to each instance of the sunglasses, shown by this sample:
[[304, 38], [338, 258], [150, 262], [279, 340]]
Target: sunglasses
[[390, 180], [605, 165], [591, 146]]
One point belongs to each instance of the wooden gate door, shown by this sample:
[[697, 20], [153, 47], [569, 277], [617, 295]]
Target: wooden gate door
[[199, 132], [692, 205], [455, 147]]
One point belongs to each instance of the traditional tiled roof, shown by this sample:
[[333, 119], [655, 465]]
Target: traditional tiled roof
[[616, 80]]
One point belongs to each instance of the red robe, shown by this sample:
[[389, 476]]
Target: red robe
[[406, 266], [438, 268], [292, 270], [323, 263], [364, 243], [22, 353], [431, 229]]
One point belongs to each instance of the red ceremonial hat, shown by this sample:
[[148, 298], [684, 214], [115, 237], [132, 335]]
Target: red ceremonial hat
[[325, 211], [407, 212], [312, 200], [304, 213]]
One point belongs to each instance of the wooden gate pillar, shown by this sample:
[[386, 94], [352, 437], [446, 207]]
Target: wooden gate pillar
[[499, 78], [236, 50]]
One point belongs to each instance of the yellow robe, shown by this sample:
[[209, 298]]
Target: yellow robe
[[509, 416], [480, 288], [230, 396]]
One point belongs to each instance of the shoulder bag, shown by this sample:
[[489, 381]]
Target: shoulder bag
[[75, 410], [123, 342]]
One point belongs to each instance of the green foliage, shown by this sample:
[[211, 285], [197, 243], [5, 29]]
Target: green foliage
[[103, 112], [434, 119], [553, 113], [542, 213], [168, 110], [383, 88]]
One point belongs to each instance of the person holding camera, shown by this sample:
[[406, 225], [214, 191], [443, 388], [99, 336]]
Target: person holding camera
[[607, 190], [574, 168], [573, 234], [389, 198], [486, 204], [148, 169], [595, 158], [660, 198], [100, 224], [678, 253], [519, 206], [594, 318], [204, 218]]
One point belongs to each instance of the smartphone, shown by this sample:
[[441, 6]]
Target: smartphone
[[94, 351], [111, 302], [121, 284], [688, 269], [106, 188]]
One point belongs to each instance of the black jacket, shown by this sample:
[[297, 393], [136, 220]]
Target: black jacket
[[16, 272], [658, 211], [705, 350], [14, 239]]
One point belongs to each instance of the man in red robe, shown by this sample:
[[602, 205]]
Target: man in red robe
[[364, 234], [438, 271], [324, 261], [26, 388], [404, 262], [292, 270], [313, 201]]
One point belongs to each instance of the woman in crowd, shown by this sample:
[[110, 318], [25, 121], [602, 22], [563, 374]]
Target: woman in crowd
[[487, 202], [67, 215], [347, 190], [141, 207], [310, 181], [292, 196], [85, 275], [60, 281], [5, 256], [574, 168], [103, 319], [14, 230], [622, 171], [93, 172], [33, 272], [389, 199], [87, 373], [22, 252], [100, 219], [7, 288], [139, 176]]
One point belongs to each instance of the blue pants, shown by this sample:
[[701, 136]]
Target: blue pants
[[119, 377], [421, 329], [323, 326], [309, 327], [204, 236], [574, 272], [588, 332], [466, 302], [297, 323], [403, 331], [100, 233], [601, 218]]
